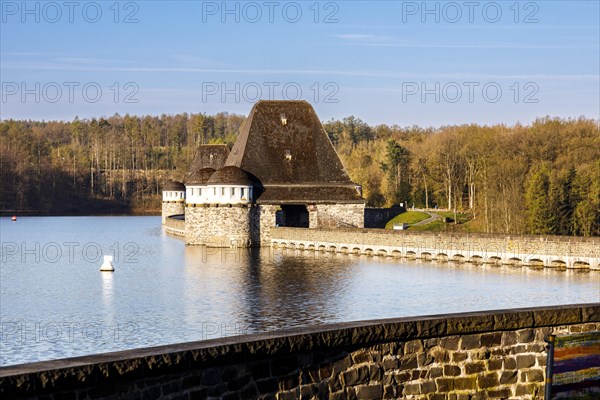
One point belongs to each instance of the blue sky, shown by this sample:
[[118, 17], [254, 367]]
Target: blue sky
[[401, 62]]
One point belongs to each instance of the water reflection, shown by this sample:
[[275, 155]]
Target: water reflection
[[166, 292]]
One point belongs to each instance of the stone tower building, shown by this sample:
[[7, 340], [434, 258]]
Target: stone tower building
[[282, 170]]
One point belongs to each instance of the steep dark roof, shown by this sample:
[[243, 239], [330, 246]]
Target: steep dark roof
[[174, 185], [199, 177], [297, 153], [230, 175], [209, 156]]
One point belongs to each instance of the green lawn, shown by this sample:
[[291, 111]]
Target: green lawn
[[408, 217], [435, 226]]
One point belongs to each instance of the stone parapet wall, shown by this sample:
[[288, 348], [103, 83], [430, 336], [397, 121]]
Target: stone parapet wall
[[550, 251], [172, 208], [175, 225], [481, 355]]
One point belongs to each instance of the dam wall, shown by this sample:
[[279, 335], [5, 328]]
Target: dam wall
[[479, 355], [529, 250]]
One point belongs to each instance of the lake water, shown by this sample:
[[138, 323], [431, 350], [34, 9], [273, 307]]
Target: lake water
[[55, 303]]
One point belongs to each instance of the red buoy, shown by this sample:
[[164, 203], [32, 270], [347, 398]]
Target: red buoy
[[14, 218]]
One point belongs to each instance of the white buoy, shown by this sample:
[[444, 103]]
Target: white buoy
[[107, 265]]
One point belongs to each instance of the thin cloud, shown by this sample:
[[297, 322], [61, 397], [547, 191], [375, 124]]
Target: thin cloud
[[295, 72]]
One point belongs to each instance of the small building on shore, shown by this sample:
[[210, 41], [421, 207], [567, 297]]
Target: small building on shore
[[282, 170]]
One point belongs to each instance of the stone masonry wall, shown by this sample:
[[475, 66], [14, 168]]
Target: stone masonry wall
[[172, 208], [554, 251], [264, 219], [218, 226], [482, 355], [335, 215]]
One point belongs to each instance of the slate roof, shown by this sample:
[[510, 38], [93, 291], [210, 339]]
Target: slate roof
[[295, 161], [199, 177], [209, 156], [174, 185], [230, 175]]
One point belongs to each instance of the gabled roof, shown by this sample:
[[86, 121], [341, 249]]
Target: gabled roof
[[293, 152], [209, 156]]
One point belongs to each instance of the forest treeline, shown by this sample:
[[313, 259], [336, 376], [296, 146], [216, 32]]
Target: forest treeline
[[542, 178]]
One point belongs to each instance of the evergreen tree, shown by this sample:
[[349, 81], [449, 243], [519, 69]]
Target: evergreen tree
[[540, 215]]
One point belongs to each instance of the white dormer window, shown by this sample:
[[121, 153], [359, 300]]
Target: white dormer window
[[283, 120], [288, 155]]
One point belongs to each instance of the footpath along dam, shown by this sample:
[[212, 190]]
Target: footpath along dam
[[527, 250]]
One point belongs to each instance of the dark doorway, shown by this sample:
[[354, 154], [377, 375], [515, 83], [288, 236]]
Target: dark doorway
[[293, 215]]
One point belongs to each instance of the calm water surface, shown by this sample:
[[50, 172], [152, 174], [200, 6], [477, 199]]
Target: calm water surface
[[55, 303]]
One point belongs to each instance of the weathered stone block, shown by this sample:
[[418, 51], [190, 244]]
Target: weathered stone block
[[525, 335], [507, 377], [451, 370], [402, 377], [474, 367], [408, 362], [525, 361], [491, 339], [390, 363], [412, 389], [444, 384], [450, 342], [369, 392], [534, 375], [459, 356], [361, 356], [413, 346], [509, 338], [510, 363], [440, 356], [526, 389], [375, 372], [470, 342], [342, 364], [495, 364], [435, 372], [469, 383], [424, 359], [487, 381], [428, 387]]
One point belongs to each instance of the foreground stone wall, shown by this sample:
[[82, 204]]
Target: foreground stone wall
[[551, 251], [172, 208], [481, 355]]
